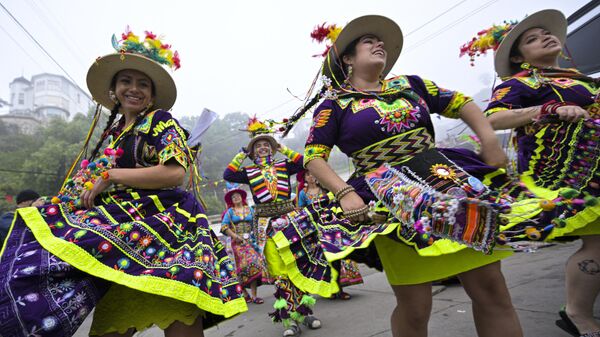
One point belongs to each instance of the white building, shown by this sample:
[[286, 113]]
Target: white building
[[46, 96]]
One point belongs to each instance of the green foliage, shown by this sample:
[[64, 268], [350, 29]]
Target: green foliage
[[40, 161]]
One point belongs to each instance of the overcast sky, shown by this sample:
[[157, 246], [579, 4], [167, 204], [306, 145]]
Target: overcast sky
[[246, 55]]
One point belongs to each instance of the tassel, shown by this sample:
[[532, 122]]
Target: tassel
[[275, 316], [304, 310], [279, 315]]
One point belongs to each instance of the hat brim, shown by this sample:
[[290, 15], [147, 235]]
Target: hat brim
[[551, 19], [268, 138], [104, 69], [230, 194], [384, 28]]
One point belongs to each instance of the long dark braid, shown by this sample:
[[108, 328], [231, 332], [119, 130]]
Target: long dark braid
[[300, 112], [111, 119], [339, 71]]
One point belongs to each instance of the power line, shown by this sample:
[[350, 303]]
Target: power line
[[435, 18], [39, 45], [450, 25], [21, 47], [408, 34], [52, 23]]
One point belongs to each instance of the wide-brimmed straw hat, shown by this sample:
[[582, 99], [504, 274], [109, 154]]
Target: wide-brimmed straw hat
[[272, 141], [261, 130], [148, 55], [550, 19], [380, 26], [501, 38]]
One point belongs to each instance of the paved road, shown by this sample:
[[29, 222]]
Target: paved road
[[536, 282]]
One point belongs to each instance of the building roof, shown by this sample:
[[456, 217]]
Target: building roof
[[22, 80], [64, 78]]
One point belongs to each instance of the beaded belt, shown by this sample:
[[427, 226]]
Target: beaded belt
[[391, 150], [274, 208]]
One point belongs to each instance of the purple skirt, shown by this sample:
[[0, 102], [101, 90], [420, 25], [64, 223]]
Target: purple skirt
[[57, 260], [41, 295]]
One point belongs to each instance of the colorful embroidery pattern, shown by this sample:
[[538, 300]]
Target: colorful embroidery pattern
[[400, 146], [292, 155], [457, 101], [236, 162], [174, 151], [271, 185], [429, 211], [396, 117], [432, 89], [139, 234], [314, 151], [499, 94], [321, 119], [443, 171]]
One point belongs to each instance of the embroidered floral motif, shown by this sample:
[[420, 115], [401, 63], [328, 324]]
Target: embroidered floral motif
[[398, 116], [169, 137], [443, 171]]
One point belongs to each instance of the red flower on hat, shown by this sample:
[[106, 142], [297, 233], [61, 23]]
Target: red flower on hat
[[150, 35], [176, 61]]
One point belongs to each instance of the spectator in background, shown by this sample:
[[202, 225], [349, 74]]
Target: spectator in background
[[25, 198]]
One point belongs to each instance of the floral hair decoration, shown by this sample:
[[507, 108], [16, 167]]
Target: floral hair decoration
[[487, 39], [325, 32], [256, 127], [150, 46]]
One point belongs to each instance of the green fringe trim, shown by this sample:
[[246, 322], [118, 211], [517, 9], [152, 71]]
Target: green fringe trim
[[280, 304], [319, 287], [82, 260], [287, 322], [296, 316], [308, 301]]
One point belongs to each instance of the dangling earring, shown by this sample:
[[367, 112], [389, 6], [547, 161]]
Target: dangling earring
[[347, 79], [150, 104], [525, 66], [112, 96], [563, 56]]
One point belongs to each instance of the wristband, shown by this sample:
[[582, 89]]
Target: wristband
[[343, 192]]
